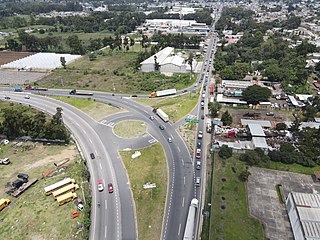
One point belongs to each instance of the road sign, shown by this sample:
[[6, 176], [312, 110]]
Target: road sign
[[187, 119], [195, 121]]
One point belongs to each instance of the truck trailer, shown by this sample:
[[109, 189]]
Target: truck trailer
[[188, 232], [163, 93], [162, 115], [77, 92]]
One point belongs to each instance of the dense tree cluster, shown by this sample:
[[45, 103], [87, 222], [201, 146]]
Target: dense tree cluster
[[255, 94], [25, 8], [272, 57], [179, 41], [18, 121]]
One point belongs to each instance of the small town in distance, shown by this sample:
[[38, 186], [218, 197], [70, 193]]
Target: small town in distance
[[160, 120]]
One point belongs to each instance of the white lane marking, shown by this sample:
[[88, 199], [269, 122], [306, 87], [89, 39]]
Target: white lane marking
[[100, 166], [104, 183], [90, 140], [178, 149], [152, 141], [172, 137], [179, 229], [105, 231], [84, 131], [146, 111], [184, 180], [182, 162], [182, 202], [105, 204]]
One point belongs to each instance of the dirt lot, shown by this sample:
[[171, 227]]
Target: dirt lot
[[238, 114], [33, 215], [6, 57]]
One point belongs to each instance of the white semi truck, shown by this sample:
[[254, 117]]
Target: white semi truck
[[188, 232], [163, 93], [162, 115]]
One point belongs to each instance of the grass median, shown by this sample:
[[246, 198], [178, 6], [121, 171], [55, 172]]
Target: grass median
[[96, 110], [176, 107], [230, 217], [151, 166], [130, 129]]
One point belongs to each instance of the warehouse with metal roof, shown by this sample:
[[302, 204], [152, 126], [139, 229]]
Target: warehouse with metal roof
[[168, 62], [304, 214]]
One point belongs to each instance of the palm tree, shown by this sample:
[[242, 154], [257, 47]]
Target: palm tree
[[190, 60]]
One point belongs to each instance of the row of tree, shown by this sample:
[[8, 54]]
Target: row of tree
[[18, 121]]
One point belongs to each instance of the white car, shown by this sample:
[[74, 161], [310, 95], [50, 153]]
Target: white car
[[27, 97], [100, 185]]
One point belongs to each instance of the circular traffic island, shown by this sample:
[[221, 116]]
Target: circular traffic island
[[130, 129]]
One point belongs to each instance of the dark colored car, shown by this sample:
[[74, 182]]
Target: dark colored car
[[23, 176], [202, 116], [92, 156], [110, 188], [161, 127]]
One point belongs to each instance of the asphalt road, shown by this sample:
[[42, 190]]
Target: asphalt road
[[106, 222], [114, 219]]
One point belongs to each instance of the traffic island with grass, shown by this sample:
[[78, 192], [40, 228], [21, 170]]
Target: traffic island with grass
[[151, 166], [130, 129]]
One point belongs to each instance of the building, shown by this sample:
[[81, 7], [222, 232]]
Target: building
[[168, 62], [304, 215]]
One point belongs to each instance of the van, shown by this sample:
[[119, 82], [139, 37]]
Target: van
[[198, 180], [198, 165]]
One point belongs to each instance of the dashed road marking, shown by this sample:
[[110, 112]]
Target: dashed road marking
[[182, 202], [100, 166], [152, 141], [179, 229], [105, 231]]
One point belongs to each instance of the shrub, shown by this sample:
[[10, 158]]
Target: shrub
[[225, 152]]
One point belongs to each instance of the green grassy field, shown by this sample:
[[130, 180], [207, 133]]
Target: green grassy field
[[96, 110], [151, 166], [175, 107], [33, 215], [130, 129], [234, 221], [109, 72], [291, 167]]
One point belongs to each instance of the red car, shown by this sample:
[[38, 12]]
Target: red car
[[198, 154], [110, 188]]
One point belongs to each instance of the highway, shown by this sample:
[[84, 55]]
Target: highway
[[115, 218]]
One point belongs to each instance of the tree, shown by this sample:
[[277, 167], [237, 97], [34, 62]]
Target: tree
[[63, 62], [190, 60], [250, 157], [255, 94], [156, 64], [125, 43], [214, 109], [244, 175], [225, 152], [75, 44], [226, 118], [281, 126]]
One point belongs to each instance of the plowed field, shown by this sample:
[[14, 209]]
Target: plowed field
[[7, 56]]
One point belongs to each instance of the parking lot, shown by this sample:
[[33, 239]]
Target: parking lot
[[264, 203]]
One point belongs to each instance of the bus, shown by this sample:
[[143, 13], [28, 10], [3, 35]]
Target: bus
[[69, 188], [66, 198], [54, 187]]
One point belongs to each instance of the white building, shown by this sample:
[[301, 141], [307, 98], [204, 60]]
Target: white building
[[304, 214], [169, 63]]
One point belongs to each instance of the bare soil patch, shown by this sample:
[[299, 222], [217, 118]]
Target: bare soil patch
[[7, 56]]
